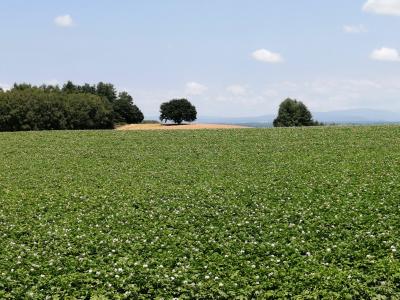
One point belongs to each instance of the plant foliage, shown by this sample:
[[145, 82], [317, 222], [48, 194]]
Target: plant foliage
[[27, 107], [36, 109], [293, 113], [178, 110], [213, 214], [125, 111]]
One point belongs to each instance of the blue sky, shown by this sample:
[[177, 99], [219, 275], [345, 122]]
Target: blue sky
[[229, 57]]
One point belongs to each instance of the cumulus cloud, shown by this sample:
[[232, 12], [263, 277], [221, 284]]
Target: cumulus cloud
[[195, 88], [64, 21], [237, 90], [354, 28], [385, 54], [383, 7], [267, 56]]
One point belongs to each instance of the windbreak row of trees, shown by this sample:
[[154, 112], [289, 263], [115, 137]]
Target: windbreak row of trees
[[48, 107], [38, 110]]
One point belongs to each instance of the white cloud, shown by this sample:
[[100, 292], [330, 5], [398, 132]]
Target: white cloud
[[341, 94], [320, 94], [354, 28], [52, 82], [385, 54], [270, 93], [267, 56], [383, 7], [5, 86], [195, 88], [64, 21], [237, 90]]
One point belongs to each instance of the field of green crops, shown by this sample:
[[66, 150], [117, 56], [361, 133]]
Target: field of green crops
[[247, 213]]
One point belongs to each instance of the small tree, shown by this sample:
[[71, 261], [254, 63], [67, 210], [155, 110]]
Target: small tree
[[294, 113], [125, 111], [178, 110]]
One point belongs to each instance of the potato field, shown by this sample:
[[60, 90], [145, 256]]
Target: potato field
[[209, 214]]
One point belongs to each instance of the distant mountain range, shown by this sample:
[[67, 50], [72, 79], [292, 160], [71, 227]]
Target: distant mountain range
[[358, 116], [355, 116]]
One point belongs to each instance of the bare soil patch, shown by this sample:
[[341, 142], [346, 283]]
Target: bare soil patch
[[177, 127]]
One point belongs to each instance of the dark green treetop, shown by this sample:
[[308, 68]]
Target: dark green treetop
[[178, 110], [125, 111], [293, 113]]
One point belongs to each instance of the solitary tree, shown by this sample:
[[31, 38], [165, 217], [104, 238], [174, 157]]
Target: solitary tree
[[294, 113], [178, 110], [125, 111]]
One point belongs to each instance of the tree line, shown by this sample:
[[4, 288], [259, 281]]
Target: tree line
[[49, 107], [99, 106]]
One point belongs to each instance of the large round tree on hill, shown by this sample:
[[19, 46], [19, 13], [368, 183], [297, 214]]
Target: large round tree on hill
[[294, 113], [178, 110]]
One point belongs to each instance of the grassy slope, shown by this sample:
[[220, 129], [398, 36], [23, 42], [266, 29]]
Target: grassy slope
[[254, 212]]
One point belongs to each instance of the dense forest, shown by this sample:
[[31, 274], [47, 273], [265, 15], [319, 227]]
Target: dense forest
[[48, 107]]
